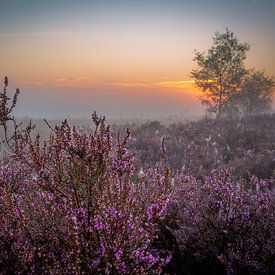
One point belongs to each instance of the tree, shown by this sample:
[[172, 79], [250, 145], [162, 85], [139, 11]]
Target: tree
[[256, 93], [220, 71]]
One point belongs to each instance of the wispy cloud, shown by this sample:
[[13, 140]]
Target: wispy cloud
[[59, 82], [40, 83], [30, 34], [61, 79], [73, 81], [185, 86], [80, 78], [178, 84], [133, 84]]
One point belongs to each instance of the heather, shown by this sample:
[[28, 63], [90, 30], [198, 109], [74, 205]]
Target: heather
[[192, 198], [244, 144]]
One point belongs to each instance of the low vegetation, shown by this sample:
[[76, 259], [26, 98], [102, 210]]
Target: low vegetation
[[88, 201]]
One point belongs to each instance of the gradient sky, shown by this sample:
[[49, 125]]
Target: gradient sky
[[121, 58]]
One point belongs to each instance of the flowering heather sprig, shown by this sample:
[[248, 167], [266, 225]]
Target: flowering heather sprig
[[6, 109]]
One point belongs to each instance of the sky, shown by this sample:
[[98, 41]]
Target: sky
[[123, 59]]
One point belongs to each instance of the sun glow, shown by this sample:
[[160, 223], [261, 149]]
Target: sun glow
[[184, 86]]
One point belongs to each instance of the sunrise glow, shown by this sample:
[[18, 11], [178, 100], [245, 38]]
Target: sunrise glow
[[134, 51]]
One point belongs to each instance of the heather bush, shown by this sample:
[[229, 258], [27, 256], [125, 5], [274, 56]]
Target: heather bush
[[70, 205], [245, 145], [223, 226]]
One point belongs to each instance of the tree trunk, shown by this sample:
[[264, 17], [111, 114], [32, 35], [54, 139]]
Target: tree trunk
[[220, 99]]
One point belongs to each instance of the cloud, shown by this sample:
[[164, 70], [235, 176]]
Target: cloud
[[34, 34], [73, 81], [180, 84], [186, 87], [79, 81], [80, 78], [39, 83], [61, 79], [133, 84]]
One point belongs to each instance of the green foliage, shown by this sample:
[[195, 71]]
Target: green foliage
[[229, 88], [256, 93]]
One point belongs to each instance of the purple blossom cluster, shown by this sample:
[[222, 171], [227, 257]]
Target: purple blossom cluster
[[76, 204], [225, 226], [245, 145], [73, 204]]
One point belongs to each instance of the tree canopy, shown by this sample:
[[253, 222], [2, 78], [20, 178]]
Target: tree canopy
[[256, 93], [227, 85]]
